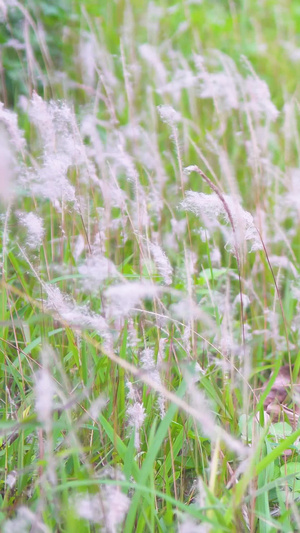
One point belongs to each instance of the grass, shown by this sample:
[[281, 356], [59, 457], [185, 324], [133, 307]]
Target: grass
[[143, 326]]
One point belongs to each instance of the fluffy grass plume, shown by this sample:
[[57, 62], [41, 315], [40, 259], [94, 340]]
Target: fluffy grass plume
[[149, 209]]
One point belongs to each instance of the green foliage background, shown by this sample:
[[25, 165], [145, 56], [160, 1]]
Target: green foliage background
[[176, 451]]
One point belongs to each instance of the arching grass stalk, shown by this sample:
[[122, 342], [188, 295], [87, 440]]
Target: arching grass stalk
[[216, 190]]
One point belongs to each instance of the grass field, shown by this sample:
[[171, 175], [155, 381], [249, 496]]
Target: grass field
[[150, 255]]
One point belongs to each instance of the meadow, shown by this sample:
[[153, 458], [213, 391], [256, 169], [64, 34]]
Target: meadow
[[150, 256]]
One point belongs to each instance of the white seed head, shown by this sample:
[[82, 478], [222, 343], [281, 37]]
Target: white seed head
[[44, 392], [124, 297], [162, 263], [95, 270], [35, 229], [169, 115]]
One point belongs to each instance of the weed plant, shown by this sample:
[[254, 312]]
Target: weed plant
[[150, 202]]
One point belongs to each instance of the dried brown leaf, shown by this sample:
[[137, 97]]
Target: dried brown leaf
[[276, 402]]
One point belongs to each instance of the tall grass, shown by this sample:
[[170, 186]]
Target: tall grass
[[149, 190]]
